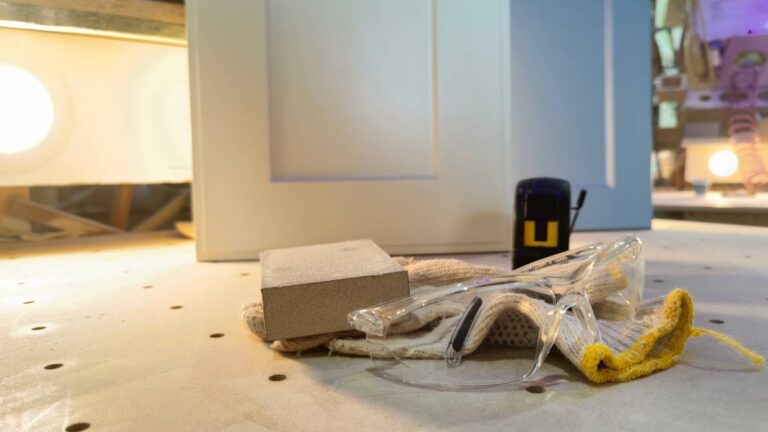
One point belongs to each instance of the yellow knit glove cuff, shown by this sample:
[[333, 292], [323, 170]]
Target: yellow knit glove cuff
[[655, 349]]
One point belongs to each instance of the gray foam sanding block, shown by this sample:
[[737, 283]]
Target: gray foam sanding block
[[309, 290]]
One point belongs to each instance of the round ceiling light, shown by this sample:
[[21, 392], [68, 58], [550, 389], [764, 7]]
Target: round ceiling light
[[723, 163], [26, 110]]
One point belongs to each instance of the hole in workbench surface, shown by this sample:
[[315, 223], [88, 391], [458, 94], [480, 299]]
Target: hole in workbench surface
[[77, 427], [53, 366], [535, 389], [36, 328], [29, 302], [245, 274], [748, 256], [147, 287], [177, 307], [216, 335], [717, 321], [659, 280], [277, 377], [707, 268], [21, 283]]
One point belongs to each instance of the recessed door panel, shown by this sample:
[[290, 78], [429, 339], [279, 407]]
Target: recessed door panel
[[352, 89]]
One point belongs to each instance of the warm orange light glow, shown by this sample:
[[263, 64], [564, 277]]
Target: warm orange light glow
[[26, 110], [723, 163]]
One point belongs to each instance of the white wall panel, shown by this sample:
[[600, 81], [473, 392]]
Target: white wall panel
[[121, 110]]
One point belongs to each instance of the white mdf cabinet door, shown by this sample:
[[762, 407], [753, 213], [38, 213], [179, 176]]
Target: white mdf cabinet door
[[320, 121], [581, 103]]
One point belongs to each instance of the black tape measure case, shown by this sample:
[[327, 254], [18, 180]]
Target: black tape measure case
[[542, 219]]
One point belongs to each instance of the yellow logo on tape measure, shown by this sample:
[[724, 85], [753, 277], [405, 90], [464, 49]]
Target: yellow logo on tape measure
[[529, 234]]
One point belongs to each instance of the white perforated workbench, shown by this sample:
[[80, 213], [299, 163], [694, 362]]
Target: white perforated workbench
[[130, 361]]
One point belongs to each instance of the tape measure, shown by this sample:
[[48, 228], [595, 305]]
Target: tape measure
[[543, 219]]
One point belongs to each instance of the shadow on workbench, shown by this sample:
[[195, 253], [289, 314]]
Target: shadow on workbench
[[357, 380]]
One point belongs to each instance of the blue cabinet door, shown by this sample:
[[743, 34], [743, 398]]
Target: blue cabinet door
[[581, 103]]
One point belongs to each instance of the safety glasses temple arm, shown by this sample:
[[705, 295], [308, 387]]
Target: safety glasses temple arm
[[375, 320]]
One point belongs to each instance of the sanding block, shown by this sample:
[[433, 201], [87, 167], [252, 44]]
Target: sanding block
[[309, 290]]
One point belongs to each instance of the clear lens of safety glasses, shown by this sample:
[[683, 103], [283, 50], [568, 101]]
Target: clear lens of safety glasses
[[499, 330], [611, 274]]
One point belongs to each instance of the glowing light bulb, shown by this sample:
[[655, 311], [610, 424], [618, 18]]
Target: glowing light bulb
[[26, 110], [723, 163]]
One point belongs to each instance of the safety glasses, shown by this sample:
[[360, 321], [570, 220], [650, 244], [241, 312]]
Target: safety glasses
[[498, 331]]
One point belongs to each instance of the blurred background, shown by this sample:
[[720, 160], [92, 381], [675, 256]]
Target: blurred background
[[95, 131], [710, 103]]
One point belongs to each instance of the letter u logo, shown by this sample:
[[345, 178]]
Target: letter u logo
[[529, 234]]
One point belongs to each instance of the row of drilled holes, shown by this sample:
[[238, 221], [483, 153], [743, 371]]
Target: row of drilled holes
[[280, 377], [714, 320], [81, 426]]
